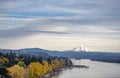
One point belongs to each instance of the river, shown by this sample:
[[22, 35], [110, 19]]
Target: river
[[96, 70]]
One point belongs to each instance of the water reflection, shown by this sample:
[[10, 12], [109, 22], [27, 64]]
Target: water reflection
[[95, 70], [55, 75], [58, 73]]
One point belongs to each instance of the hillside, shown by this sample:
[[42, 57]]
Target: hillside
[[100, 56]]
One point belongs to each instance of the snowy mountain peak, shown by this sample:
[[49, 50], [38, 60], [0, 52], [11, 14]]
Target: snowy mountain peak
[[79, 48]]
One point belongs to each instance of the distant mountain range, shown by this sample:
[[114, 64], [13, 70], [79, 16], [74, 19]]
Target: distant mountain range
[[76, 53]]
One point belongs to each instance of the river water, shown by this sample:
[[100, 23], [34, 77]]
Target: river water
[[96, 70]]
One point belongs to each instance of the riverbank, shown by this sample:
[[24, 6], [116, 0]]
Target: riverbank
[[76, 66], [96, 70], [57, 71]]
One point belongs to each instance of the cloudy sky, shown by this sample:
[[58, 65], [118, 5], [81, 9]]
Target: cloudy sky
[[60, 24]]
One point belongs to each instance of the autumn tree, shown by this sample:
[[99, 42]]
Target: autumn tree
[[57, 63], [16, 71], [36, 70], [47, 66], [3, 60]]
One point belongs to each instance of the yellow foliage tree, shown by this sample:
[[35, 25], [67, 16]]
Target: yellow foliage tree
[[36, 70], [3, 60], [57, 63], [47, 66], [50, 68], [16, 71]]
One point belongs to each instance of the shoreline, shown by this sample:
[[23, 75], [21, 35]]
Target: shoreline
[[57, 71]]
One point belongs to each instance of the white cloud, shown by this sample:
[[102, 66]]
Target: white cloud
[[78, 26], [86, 19]]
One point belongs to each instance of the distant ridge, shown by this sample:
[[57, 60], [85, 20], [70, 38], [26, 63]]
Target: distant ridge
[[76, 53]]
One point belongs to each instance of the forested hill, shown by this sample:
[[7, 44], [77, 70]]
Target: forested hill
[[20, 64], [71, 54], [100, 56]]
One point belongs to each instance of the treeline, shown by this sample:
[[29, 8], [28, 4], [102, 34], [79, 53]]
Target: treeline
[[14, 65], [111, 60]]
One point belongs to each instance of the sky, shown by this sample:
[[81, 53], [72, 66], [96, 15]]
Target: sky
[[60, 24]]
